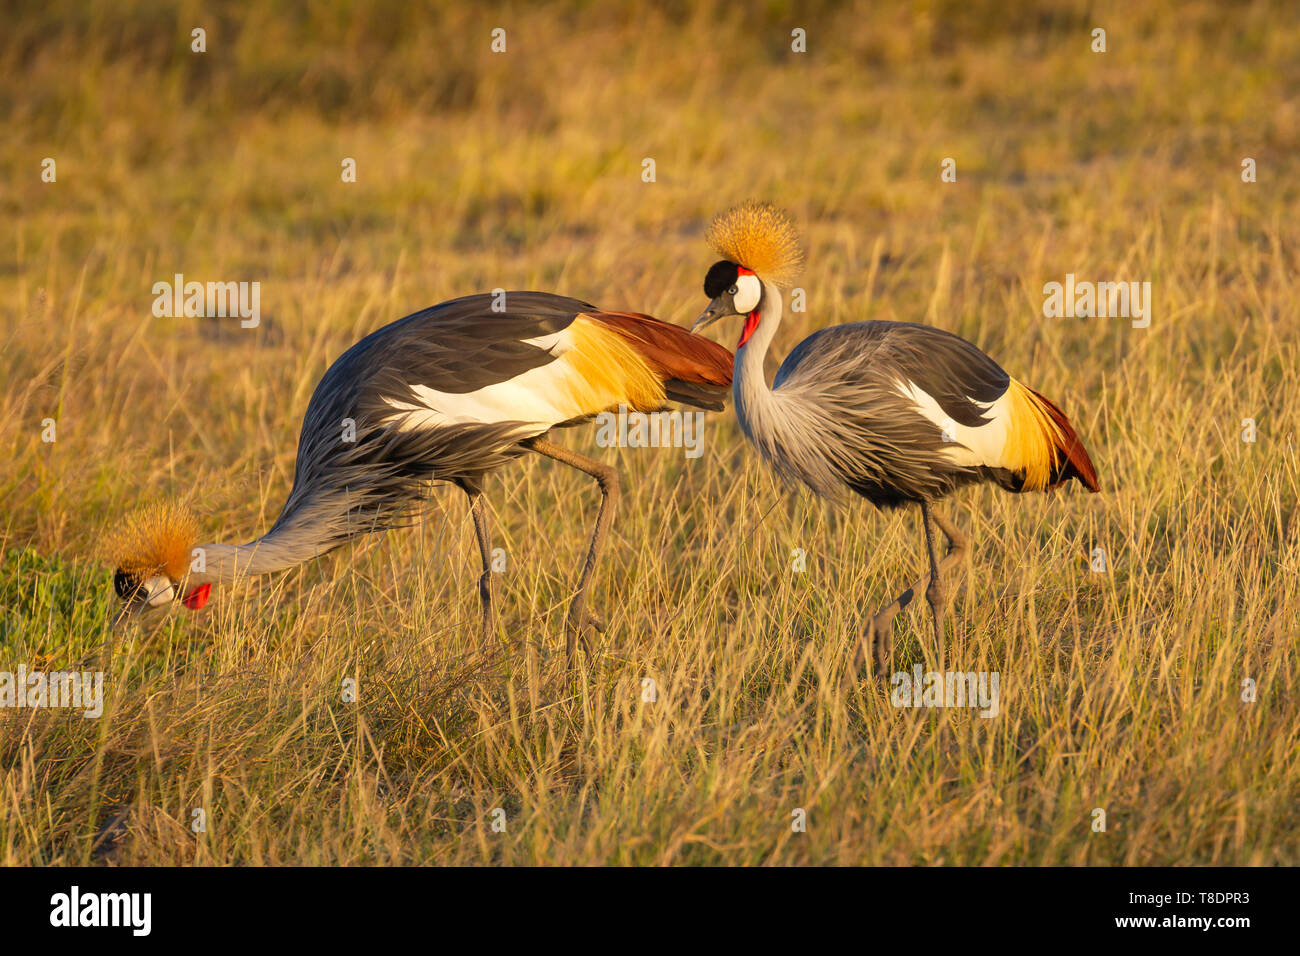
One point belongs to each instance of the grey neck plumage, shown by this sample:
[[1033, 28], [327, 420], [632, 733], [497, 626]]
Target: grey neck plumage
[[787, 425], [229, 563], [755, 404]]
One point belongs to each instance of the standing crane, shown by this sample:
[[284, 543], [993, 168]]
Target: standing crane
[[446, 394], [893, 411]]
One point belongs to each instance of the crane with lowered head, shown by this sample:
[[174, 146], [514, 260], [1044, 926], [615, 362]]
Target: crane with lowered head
[[449, 393]]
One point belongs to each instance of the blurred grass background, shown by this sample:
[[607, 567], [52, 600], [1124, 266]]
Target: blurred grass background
[[522, 169]]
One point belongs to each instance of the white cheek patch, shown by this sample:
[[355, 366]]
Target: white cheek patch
[[159, 591], [748, 292]]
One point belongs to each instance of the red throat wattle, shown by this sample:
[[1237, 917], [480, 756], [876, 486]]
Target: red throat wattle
[[198, 597]]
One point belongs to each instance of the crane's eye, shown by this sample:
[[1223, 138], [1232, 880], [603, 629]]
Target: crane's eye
[[732, 291]]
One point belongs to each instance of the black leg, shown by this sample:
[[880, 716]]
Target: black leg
[[934, 593], [476, 509], [879, 634], [579, 619]]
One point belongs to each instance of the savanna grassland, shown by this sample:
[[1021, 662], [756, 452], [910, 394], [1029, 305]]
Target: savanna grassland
[[1121, 690]]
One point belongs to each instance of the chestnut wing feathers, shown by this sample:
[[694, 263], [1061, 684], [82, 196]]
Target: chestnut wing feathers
[[695, 370]]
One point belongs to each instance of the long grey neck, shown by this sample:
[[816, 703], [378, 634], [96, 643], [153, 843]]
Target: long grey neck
[[755, 404], [789, 425], [228, 563]]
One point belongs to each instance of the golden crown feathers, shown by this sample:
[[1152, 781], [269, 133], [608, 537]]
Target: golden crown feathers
[[759, 237], [156, 538]]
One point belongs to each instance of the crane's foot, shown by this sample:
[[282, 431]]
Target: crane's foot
[[579, 626], [938, 601], [878, 636], [874, 652], [489, 622]]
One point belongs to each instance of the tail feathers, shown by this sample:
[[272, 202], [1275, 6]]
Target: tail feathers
[[694, 370], [1072, 459]]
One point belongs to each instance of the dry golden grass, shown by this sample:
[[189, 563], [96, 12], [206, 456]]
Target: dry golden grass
[[1119, 690]]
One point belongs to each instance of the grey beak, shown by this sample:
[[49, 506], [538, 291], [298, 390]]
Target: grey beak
[[133, 610], [137, 613], [717, 309], [120, 619]]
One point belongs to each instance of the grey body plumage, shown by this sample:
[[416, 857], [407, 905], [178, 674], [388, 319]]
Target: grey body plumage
[[891, 411], [341, 489], [836, 420]]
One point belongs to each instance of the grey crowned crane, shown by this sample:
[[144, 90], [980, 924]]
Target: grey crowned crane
[[446, 394], [895, 412]]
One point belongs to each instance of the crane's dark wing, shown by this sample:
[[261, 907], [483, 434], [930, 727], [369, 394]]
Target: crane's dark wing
[[855, 418], [947, 367], [457, 347], [356, 469], [900, 412], [447, 394]]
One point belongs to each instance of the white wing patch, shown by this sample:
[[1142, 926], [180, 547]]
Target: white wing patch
[[968, 446], [549, 342], [538, 398]]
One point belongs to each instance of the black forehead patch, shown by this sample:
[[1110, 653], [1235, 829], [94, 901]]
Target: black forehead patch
[[722, 276], [125, 584]]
